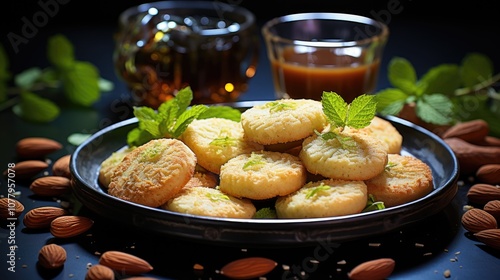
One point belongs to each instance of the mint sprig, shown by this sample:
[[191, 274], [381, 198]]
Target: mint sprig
[[444, 94], [358, 114], [78, 81]]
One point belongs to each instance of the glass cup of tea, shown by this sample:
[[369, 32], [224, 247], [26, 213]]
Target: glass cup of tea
[[163, 47], [314, 52]]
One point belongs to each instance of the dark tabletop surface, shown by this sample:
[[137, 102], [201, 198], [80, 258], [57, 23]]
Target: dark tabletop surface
[[422, 250]]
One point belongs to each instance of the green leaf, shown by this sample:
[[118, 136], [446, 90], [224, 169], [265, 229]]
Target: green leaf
[[186, 118], [148, 120], [475, 68], [444, 79], [361, 111], [36, 109], [225, 112], [60, 52], [402, 75], [265, 213], [390, 101], [105, 85], [335, 108], [435, 109], [137, 137], [81, 83], [28, 77], [78, 138]]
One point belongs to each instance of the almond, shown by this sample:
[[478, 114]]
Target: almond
[[493, 207], [24, 170], [489, 174], [374, 270], [248, 268], [471, 156], [52, 256], [125, 263], [51, 186], [41, 217], [10, 208], [36, 147], [61, 167], [476, 220], [482, 193], [100, 272], [490, 237], [70, 226], [473, 131]]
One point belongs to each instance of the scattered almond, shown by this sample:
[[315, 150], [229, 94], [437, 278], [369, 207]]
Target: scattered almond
[[373, 270], [489, 174], [27, 169], [471, 156], [61, 167], [51, 186], [476, 220], [473, 131], [100, 272], [10, 208], [41, 217], [36, 147], [493, 207], [490, 237], [52, 256], [248, 268], [482, 193], [70, 226], [125, 263]]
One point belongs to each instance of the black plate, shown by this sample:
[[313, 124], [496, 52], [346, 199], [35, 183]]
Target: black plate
[[86, 160]]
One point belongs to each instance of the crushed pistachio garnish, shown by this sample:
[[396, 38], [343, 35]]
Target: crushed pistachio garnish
[[255, 162]]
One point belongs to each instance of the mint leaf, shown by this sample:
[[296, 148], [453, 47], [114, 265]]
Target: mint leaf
[[148, 120], [80, 83], [105, 85], [475, 68], [28, 77], [390, 101], [335, 108], [60, 52], [444, 79], [361, 111], [218, 111], [185, 119], [435, 109], [36, 109], [402, 75], [78, 138], [137, 137]]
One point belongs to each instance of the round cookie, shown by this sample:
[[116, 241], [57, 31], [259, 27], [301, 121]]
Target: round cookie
[[262, 175], [210, 202], [386, 132], [283, 121], [108, 165], [349, 156], [325, 198], [202, 179], [215, 141], [153, 173], [405, 179]]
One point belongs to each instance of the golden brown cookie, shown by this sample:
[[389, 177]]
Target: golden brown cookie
[[108, 165]]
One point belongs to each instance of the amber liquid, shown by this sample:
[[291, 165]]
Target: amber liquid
[[293, 78], [216, 69]]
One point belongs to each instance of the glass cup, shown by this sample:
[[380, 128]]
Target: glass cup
[[162, 47], [314, 52]]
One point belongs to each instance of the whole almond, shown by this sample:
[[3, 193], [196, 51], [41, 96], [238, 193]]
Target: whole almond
[[50, 186], [10, 208], [476, 220], [52, 256], [248, 268], [471, 157], [100, 272], [26, 169], [489, 174], [490, 237], [36, 147], [473, 131], [124, 263], [41, 217], [493, 207], [482, 193], [70, 226], [374, 270], [61, 167]]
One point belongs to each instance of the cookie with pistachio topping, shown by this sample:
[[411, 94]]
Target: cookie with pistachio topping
[[216, 140], [386, 132], [108, 165], [262, 175], [324, 198], [283, 121], [153, 173]]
